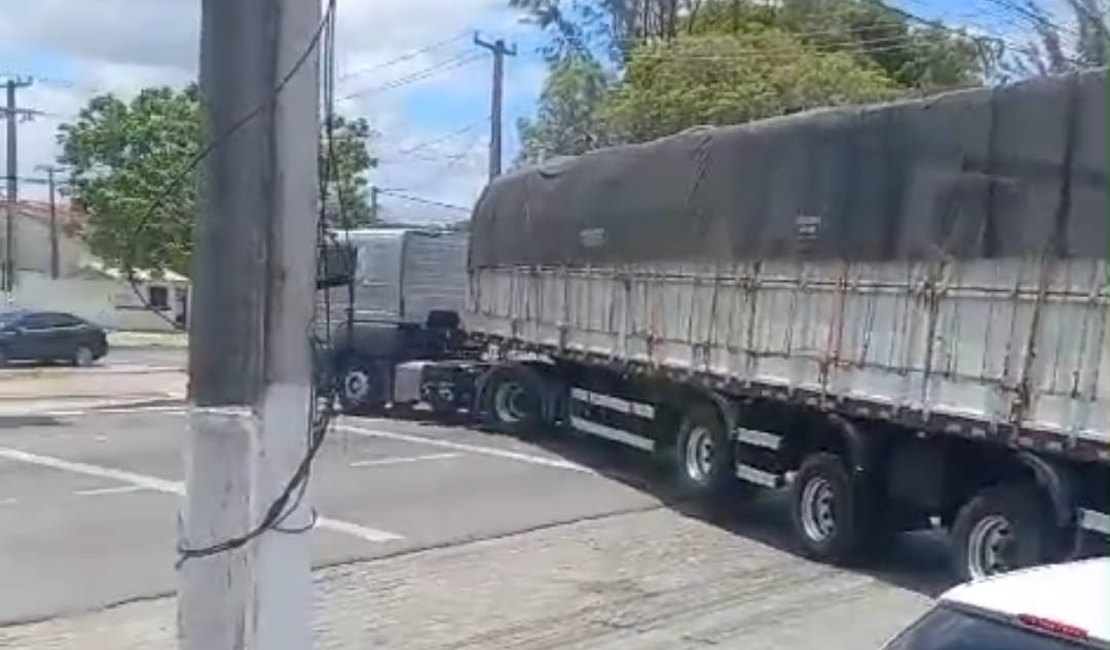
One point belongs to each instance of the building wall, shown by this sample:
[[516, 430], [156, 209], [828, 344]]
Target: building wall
[[108, 302], [32, 247]]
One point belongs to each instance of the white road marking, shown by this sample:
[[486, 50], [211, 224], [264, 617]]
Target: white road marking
[[378, 462], [373, 433], [10, 501], [153, 408], [174, 487], [473, 449], [123, 476], [355, 530], [119, 489]]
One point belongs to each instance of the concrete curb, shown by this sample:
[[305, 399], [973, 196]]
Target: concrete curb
[[177, 340]]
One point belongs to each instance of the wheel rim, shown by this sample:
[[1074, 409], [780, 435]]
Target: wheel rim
[[699, 454], [356, 384], [84, 357], [818, 515], [509, 402], [989, 547]]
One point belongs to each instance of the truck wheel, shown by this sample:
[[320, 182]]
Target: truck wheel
[[828, 518], [512, 401], [703, 453], [360, 387], [441, 405], [1002, 528]]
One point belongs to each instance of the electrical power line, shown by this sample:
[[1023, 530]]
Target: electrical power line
[[398, 194], [1035, 18], [407, 151], [404, 57], [419, 75]]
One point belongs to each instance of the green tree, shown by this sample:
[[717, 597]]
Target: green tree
[[612, 27], [1057, 48], [348, 201], [912, 53], [123, 155], [720, 79], [569, 119], [679, 63]]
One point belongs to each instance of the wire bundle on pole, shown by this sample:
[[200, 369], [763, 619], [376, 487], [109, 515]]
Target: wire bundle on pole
[[321, 402]]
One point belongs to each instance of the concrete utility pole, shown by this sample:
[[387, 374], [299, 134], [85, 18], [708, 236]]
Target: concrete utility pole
[[249, 359], [12, 113], [374, 198], [499, 51], [54, 262]]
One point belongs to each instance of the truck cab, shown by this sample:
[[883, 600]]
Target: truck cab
[[401, 302]]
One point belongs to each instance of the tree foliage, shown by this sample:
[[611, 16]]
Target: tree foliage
[[628, 70], [346, 158], [123, 155], [1057, 48], [729, 79], [570, 118], [610, 27], [914, 54]]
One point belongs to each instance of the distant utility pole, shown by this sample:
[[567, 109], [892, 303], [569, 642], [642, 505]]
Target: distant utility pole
[[54, 262], [12, 113], [249, 354], [375, 191], [499, 51]]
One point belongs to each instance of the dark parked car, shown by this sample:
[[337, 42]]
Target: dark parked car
[[50, 336]]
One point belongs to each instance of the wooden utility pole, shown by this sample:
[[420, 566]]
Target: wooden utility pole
[[54, 261], [374, 203], [249, 356], [12, 113], [499, 52]]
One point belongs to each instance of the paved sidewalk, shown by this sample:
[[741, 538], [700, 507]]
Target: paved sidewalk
[[120, 339], [650, 580], [45, 390]]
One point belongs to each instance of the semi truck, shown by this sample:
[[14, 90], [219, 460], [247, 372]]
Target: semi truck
[[898, 313]]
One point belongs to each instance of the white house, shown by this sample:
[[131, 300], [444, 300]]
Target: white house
[[84, 285]]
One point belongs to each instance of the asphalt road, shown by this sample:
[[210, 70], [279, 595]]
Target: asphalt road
[[75, 537], [88, 509]]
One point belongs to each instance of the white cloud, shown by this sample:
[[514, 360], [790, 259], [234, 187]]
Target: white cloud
[[91, 46]]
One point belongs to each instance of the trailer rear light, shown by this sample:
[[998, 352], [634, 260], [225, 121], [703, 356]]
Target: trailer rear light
[[1052, 627]]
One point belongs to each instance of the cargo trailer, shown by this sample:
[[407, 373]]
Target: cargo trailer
[[896, 312]]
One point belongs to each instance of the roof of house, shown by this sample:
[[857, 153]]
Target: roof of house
[[67, 216]]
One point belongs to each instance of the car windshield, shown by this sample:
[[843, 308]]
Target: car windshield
[[948, 628]]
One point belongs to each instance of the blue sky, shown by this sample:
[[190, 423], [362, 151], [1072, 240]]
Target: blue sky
[[433, 125]]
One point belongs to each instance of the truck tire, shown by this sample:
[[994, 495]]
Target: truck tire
[[362, 386], [829, 518], [512, 401], [1002, 528], [703, 454]]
